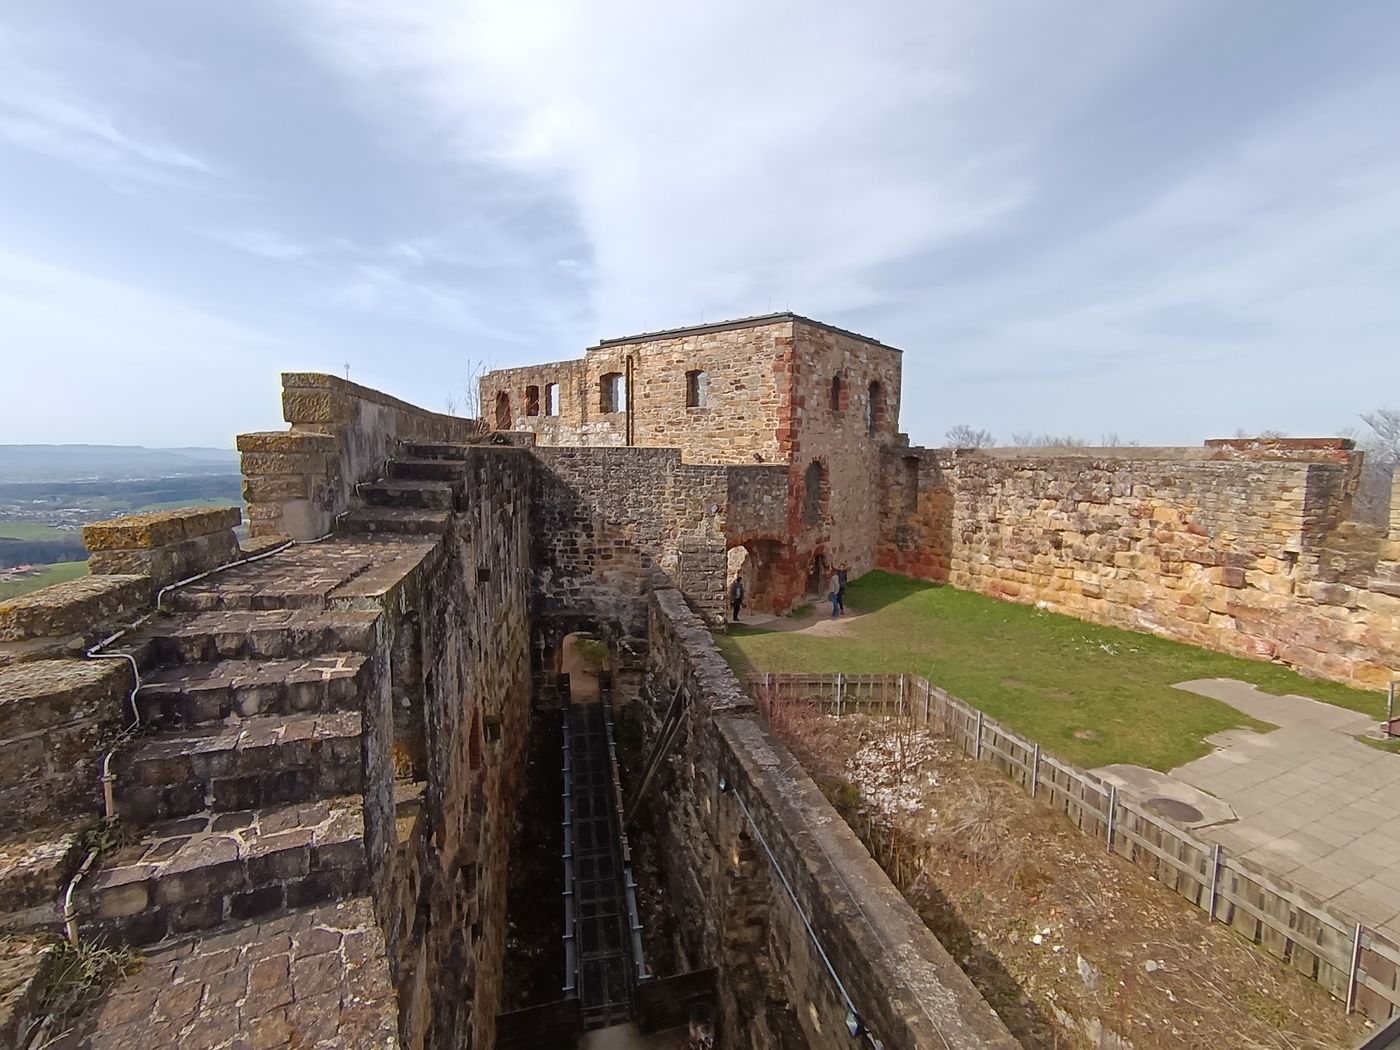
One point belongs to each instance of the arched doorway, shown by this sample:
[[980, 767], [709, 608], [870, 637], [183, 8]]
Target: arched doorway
[[755, 562], [585, 659], [503, 416]]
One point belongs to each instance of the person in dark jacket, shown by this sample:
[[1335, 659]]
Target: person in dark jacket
[[736, 597], [843, 574]]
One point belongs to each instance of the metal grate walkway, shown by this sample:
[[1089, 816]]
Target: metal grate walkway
[[602, 934]]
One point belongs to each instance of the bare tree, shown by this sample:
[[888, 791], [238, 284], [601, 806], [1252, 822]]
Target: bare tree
[[467, 401], [964, 436], [1382, 447], [1263, 435], [1112, 440], [1383, 443], [1028, 439]]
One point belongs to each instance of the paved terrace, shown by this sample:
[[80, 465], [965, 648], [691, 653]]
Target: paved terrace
[[1314, 804]]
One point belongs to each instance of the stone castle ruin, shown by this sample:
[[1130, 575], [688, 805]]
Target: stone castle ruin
[[326, 780]]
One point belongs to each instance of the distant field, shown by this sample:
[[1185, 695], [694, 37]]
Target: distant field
[[57, 573], [32, 530], [178, 504]]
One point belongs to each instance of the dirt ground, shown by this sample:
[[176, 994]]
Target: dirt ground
[[1072, 946]]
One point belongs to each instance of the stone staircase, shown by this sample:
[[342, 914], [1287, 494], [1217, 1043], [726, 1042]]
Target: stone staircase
[[241, 797]]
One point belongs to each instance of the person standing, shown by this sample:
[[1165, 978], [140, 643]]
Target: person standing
[[834, 593], [843, 574], [736, 596]]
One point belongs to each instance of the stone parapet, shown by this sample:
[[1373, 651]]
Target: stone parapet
[[298, 482], [757, 857], [168, 546], [65, 618]]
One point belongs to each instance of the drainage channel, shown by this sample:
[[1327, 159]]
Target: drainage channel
[[602, 934]]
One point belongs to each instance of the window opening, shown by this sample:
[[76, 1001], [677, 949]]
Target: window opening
[[697, 389], [612, 389]]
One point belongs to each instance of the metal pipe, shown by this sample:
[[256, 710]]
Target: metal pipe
[[108, 777], [806, 922]]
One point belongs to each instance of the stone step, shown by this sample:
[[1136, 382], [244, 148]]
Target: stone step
[[239, 634], [410, 521], [35, 864], [424, 495], [201, 871], [238, 764], [195, 694], [435, 450], [426, 470]]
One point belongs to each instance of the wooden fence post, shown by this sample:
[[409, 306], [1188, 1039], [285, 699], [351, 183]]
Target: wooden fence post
[[1112, 812], [928, 697], [1214, 879], [977, 753], [901, 696], [838, 695], [1035, 770], [1355, 965]]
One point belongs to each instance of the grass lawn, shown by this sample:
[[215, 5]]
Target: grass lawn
[[1093, 695], [33, 530], [55, 573], [181, 504]]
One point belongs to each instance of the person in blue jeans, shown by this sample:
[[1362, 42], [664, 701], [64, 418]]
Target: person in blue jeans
[[834, 593], [843, 574]]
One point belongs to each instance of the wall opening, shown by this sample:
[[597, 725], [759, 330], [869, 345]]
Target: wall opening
[[814, 494], [755, 562], [551, 399], [874, 408], [532, 400], [911, 482], [612, 392], [697, 389], [503, 411], [836, 392]]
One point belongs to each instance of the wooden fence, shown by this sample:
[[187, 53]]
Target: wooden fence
[[1356, 964]]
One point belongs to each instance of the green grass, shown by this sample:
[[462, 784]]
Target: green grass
[[180, 504], [55, 573], [1090, 694], [33, 530]]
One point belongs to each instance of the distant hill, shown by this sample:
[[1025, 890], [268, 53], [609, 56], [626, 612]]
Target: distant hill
[[110, 462]]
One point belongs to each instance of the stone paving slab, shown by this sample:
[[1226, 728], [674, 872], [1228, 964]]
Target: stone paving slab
[[1314, 804], [314, 978]]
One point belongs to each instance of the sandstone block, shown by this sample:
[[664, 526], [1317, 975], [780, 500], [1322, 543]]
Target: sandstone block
[[73, 607], [287, 442], [147, 531]]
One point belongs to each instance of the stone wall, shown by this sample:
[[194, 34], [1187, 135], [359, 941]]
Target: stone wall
[[454, 715], [296, 483], [845, 394], [730, 795], [1238, 546], [609, 518], [738, 422]]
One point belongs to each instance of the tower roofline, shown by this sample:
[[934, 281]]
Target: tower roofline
[[757, 321]]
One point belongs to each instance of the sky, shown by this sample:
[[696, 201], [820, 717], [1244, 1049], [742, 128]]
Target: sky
[[1164, 220]]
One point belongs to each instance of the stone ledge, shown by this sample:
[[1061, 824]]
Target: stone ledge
[[42, 694], [148, 531], [73, 607], [286, 441]]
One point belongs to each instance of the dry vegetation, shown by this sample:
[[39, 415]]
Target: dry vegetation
[[1073, 947]]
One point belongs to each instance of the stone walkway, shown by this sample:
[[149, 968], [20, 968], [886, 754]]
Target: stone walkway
[[317, 978], [1314, 804]]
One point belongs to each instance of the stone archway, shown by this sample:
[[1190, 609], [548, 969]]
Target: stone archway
[[756, 562]]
